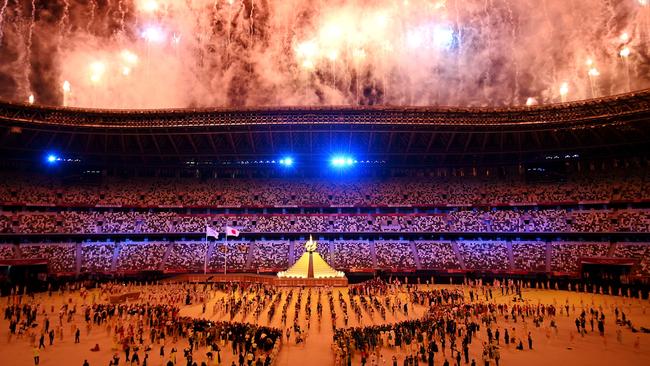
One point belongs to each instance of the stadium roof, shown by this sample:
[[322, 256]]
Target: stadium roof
[[614, 125]]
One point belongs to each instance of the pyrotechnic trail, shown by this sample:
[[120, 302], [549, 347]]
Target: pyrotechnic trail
[[120, 7], [28, 53], [513, 48], [63, 25], [2, 18], [91, 18]]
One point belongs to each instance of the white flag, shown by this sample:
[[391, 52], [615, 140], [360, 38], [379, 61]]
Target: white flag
[[210, 232], [231, 231]]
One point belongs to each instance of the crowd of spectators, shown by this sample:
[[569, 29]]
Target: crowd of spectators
[[61, 257], [529, 255], [565, 257], [346, 255], [30, 223], [7, 251], [476, 221], [484, 255], [352, 255], [97, 257], [141, 256], [271, 255], [186, 256], [36, 189], [436, 254], [79, 222], [5, 224], [637, 251], [393, 254]]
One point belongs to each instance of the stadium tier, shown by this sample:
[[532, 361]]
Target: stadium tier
[[352, 256]]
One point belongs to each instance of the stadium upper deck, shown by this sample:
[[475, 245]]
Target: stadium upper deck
[[419, 136]]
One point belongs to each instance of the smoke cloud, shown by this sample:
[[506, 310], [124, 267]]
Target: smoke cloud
[[234, 53]]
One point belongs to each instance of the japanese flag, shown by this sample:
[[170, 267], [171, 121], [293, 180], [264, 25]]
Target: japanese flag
[[231, 231]]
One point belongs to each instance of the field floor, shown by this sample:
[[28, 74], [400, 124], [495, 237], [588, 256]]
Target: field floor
[[550, 347]]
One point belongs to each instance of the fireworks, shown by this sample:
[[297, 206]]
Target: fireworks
[[149, 6], [97, 70], [564, 89], [129, 57], [624, 52], [531, 101], [165, 53], [66, 92], [154, 34]]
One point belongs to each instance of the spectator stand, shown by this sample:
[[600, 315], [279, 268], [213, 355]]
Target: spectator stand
[[487, 255], [639, 252], [140, 256], [61, 258], [8, 251], [270, 255], [566, 256], [97, 257], [394, 255], [352, 256], [437, 255], [186, 256], [237, 254], [530, 256]]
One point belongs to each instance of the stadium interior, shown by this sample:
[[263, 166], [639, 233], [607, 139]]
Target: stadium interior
[[348, 182]]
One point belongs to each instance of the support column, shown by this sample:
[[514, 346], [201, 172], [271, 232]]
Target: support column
[[454, 246], [116, 253], [414, 250], [249, 255], [612, 249], [292, 254], [549, 247], [211, 246], [165, 256], [511, 257], [78, 257], [373, 254]]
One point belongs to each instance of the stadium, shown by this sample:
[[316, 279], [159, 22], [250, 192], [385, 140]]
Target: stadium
[[211, 178]]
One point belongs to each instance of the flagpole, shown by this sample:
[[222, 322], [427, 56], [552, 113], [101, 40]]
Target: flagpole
[[225, 251], [205, 256]]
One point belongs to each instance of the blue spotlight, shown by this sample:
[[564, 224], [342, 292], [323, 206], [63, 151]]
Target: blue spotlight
[[342, 161], [287, 161], [52, 158]]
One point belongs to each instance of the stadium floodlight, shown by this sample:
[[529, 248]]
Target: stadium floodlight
[[340, 161], [287, 161], [52, 158]]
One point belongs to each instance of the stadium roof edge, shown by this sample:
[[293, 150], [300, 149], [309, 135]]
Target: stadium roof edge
[[623, 105]]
